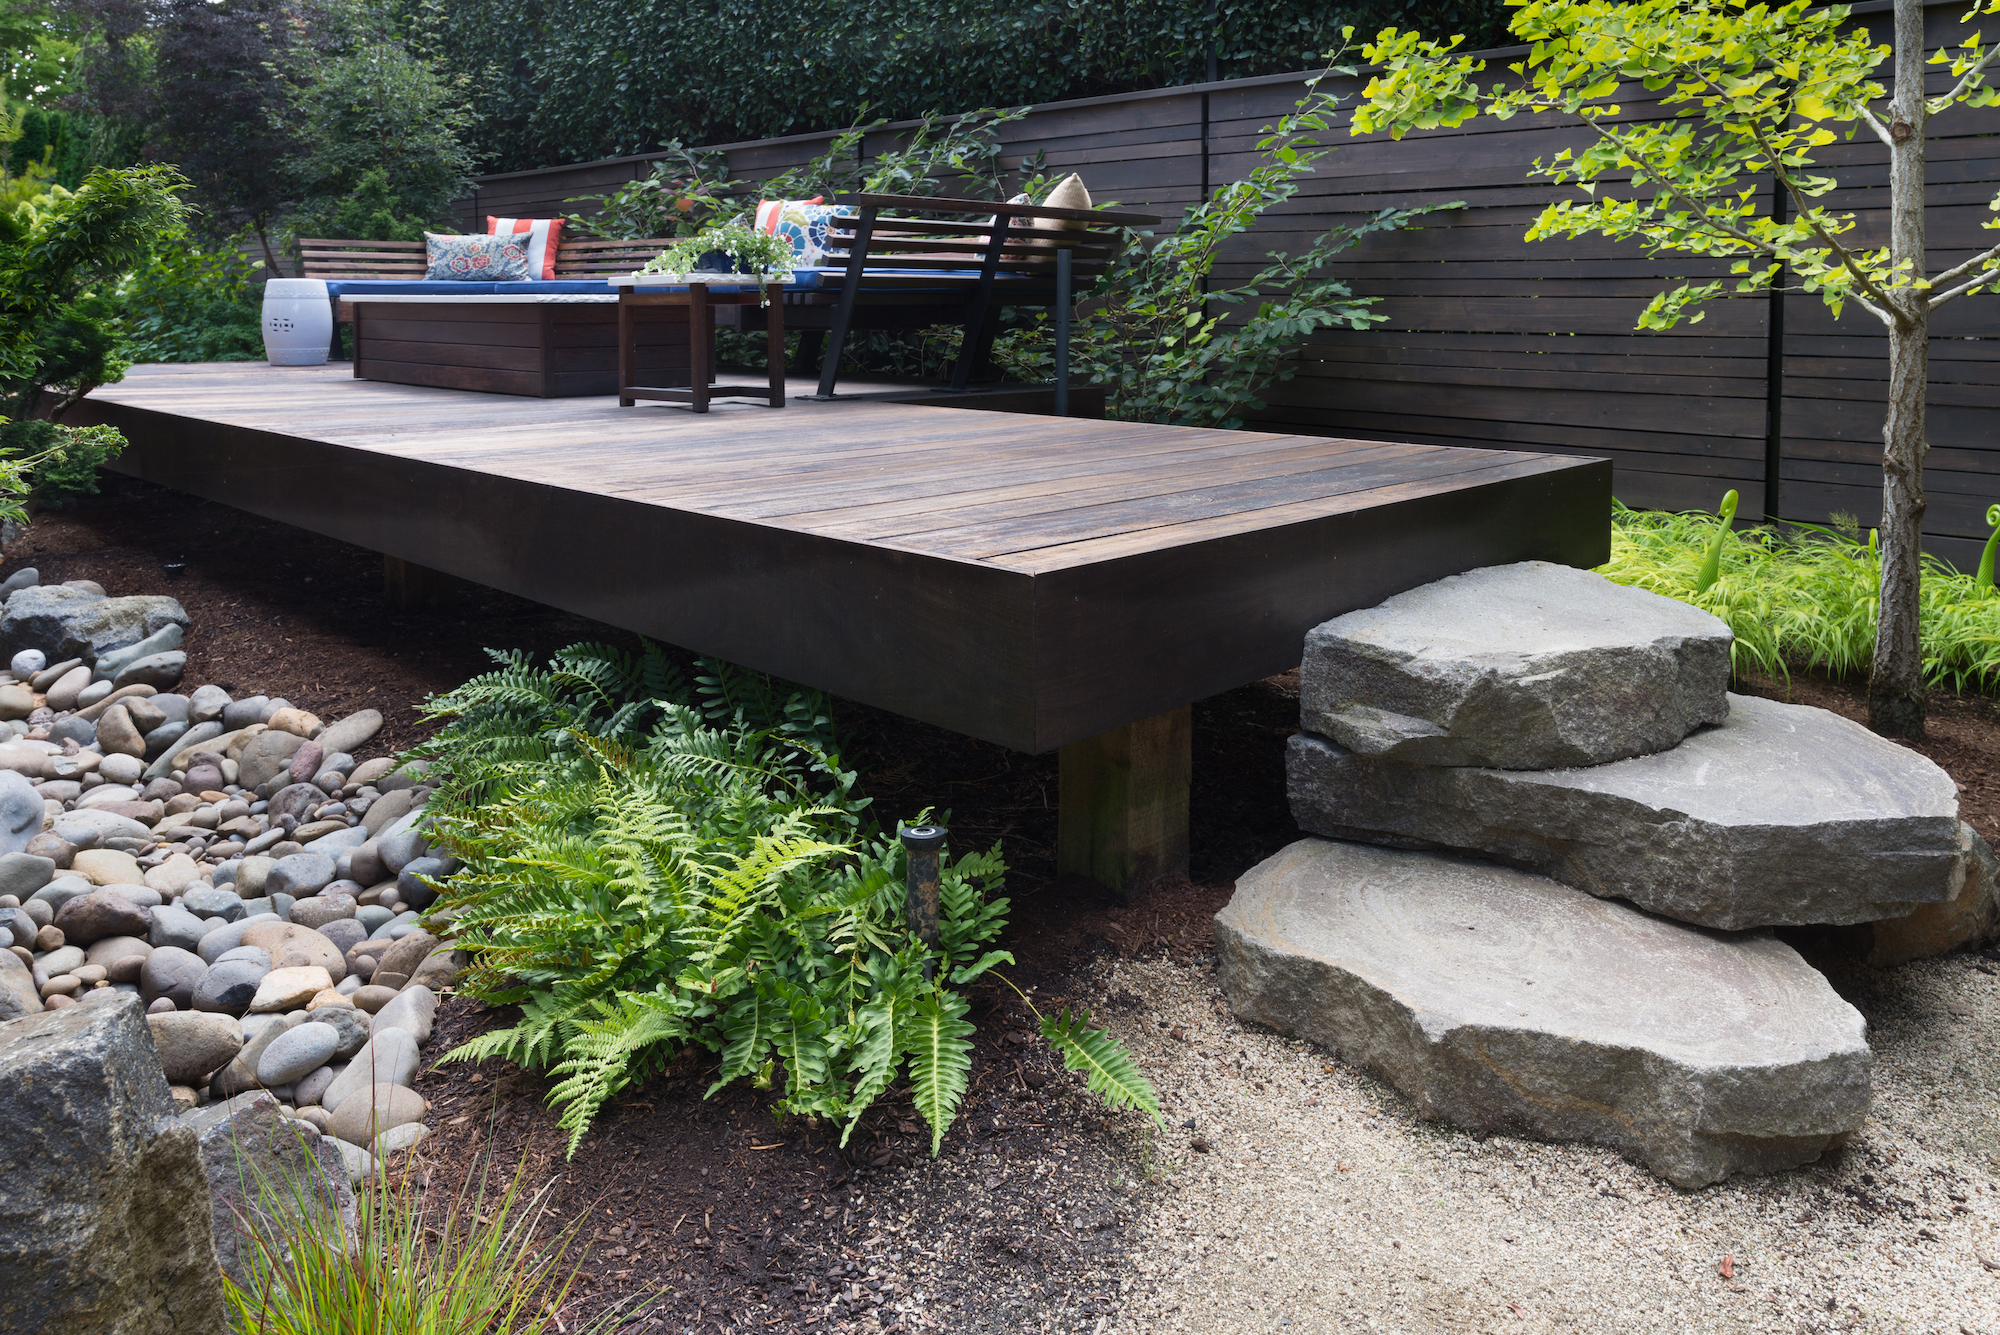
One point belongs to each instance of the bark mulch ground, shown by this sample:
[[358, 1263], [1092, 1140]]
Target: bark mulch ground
[[726, 1218]]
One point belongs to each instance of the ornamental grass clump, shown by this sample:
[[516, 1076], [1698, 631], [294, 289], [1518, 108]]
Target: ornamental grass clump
[[1806, 596], [484, 1262], [654, 865]]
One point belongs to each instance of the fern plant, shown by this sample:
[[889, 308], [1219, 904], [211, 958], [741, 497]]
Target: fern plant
[[653, 863]]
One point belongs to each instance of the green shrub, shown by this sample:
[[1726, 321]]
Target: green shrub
[[382, 129], [187, 304], [51, 465], [1805, 597], [1167, 342], [57, 254], [653, 864], [372, 211], [681, 195], [53, 140]]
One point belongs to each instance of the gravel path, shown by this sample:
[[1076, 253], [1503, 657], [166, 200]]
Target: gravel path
[[1322, 1203]]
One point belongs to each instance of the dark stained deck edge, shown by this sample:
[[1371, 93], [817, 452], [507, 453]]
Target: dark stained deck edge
[[1031, 661]]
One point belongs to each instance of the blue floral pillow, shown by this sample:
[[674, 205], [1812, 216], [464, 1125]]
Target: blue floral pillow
[[477, 258], [803, 222]]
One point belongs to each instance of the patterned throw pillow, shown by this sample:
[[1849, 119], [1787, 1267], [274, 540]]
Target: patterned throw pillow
[[475, 258], [542, 237], [804, 223]]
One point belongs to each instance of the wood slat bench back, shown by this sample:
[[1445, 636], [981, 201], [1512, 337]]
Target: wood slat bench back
[[332, 257], [963, 237]]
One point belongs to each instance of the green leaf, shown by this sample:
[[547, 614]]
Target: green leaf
[[986, 961], [1108, 1069], [749, 1029], [940, 1049], [600, 1056]]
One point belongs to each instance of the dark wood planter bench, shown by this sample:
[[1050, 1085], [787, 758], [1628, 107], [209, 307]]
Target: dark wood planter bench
[[548, 347], [548, 344]]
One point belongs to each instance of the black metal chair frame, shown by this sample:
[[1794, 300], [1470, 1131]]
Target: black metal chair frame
[[885, 286]]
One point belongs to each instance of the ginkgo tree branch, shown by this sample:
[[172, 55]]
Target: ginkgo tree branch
[[1881, 307], [1963, 288], [1807, 214], [1727, 230], [1964, 84], [1874, 122], [1966, 267], [1700, 219]]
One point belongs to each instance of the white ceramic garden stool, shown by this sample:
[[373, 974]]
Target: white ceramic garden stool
[[298, 322]]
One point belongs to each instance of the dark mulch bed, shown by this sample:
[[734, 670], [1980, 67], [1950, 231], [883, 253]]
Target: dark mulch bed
[[732, 1220]]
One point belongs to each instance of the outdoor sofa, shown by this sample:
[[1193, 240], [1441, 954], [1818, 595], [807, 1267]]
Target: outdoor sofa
[[935, 261]]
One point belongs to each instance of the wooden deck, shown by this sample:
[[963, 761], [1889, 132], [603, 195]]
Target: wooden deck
[[1031, 581]]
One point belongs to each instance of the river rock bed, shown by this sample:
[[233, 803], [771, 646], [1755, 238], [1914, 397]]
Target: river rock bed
[[245, 868]]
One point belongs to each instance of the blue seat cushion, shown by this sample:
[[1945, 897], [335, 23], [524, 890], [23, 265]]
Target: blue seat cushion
[[430, 287], [803, 280]]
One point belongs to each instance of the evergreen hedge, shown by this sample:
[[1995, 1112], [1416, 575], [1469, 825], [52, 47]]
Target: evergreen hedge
[[573, 80]]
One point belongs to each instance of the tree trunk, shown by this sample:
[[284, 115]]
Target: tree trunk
[[272, 269], [1895, 684]]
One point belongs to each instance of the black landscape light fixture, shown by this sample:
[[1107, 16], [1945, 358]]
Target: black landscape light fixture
[[922, 844]]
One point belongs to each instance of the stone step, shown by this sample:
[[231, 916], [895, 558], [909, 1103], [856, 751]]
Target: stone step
[[1784, 815], [1498, 1000], [1528, 666]]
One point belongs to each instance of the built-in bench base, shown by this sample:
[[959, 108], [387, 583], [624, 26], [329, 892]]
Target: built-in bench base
[[544, 347]]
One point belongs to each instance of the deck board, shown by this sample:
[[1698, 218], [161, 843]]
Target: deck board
[[1028, 580]]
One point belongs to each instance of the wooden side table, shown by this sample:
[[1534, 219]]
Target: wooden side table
[[700, 300]]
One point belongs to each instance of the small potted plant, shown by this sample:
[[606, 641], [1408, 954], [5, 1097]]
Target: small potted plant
[[726, 248]]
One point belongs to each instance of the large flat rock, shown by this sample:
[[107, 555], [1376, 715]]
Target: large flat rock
[[1498, 1000], [1528, 666], [1783, 815]]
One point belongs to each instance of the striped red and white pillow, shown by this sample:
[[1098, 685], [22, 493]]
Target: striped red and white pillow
[[543, 236]]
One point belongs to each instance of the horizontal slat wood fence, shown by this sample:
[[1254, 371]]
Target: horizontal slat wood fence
[[1494, 341]]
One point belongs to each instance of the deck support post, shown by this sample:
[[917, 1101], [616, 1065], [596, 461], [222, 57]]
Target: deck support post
[[409, 587], [1123, 820]]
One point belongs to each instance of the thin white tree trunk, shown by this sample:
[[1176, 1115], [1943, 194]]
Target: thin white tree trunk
[[1895, 686]]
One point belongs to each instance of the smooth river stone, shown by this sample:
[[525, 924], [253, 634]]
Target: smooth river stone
[[173, 973], [1498, 1000], [62, 695], [289, 989], [389, 1057], [1783, 816], [1528, 666], [99, 914], [194, 1044], [369, 1112], [296, 1053], [351, 1025], [413, 1010]]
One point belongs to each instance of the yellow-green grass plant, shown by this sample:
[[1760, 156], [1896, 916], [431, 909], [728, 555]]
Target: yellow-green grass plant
[[486, 1261], [1804, 597]]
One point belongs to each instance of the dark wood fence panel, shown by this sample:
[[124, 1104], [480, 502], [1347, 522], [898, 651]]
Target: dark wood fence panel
[[1491, 340]]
